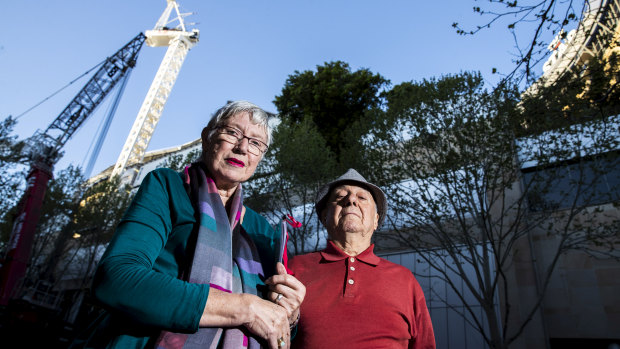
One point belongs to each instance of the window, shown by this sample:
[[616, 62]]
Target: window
[[581, 182]]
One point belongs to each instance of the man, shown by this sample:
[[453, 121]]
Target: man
[[355, 299]]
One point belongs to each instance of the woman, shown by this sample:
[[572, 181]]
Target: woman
[[186, 266]]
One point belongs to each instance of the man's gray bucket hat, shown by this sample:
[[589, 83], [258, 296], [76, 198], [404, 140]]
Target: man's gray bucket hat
[[352, 177]]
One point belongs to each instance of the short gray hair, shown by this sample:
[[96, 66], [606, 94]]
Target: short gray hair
[[258, 116]]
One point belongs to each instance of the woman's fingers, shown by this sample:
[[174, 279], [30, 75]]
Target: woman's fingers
[[281, 269], [292, 291], [261, 317], [283, 301], [282, 342], [270, 322], [286, 284], [278, 297]]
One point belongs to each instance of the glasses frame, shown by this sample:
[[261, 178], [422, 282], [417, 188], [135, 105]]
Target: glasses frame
[[239, 136]]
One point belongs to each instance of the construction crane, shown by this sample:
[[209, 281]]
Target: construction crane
[[43, 151], [179, 41]]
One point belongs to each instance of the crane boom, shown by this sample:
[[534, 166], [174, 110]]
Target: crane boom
[[43, 150], [179, 42], [91, 95]]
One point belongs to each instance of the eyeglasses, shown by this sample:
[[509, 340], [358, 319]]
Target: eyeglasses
[[233, 136]]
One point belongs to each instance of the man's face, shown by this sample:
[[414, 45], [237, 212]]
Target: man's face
[[350, 209]]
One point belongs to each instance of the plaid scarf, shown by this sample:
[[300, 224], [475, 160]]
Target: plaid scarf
[[225, 257]]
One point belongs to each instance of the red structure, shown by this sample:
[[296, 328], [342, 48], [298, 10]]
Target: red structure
[[22, 235]]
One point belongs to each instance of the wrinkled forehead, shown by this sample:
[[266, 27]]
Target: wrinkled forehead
[[350, 187], [243, 122]]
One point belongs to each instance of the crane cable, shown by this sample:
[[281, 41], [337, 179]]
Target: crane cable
[[62, 88], [102, 131]]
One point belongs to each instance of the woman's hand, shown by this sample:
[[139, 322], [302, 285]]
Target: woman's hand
[[286, 291], [270, 322], [261, 317]]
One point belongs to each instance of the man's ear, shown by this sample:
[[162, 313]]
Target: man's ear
[[376, 221]]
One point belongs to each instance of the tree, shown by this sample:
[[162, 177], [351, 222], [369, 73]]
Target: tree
[[98, 213], [299, 162], [11, 176], [58, 207], [334, 97], [77, 221], [460, 199], [325, 118]]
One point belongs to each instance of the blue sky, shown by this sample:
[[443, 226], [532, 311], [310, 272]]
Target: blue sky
[[247, 50]]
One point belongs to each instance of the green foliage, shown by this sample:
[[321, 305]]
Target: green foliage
[[57, 209], [299, 161], [302, 154], [443, 135], [100, 210], [583, 93], [10, 148], [12, 176], [334, 97], [448, 116], [325, 118], [77, 221], [60, 200]]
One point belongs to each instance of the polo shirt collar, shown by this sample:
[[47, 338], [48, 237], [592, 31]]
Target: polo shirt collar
[[332, 253]]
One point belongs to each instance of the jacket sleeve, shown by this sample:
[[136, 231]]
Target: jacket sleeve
[[128, 281]]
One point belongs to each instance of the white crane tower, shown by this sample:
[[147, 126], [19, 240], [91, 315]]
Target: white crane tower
[[179, 42]]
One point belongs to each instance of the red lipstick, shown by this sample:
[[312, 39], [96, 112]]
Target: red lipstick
[[235, 162]]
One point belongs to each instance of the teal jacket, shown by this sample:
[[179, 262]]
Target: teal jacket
[[138, 278]]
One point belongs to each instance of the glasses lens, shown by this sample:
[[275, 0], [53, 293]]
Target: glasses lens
[[253, 149], [234, 136], [228, 136]]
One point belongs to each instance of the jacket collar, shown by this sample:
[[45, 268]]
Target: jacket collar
[[332, 253]]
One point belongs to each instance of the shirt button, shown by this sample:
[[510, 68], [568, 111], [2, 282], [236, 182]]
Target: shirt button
[[351, 281], [352, 259], [352, 268]]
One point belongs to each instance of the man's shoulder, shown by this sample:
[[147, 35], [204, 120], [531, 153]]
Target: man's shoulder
[[395, 268], [304, 267], [305, 259], [401, 273], [310, 256]]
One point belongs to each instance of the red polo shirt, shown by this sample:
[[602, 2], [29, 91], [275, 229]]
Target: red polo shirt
[[359, 302]]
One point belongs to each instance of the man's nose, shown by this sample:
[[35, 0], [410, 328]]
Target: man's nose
[[350, 200]]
